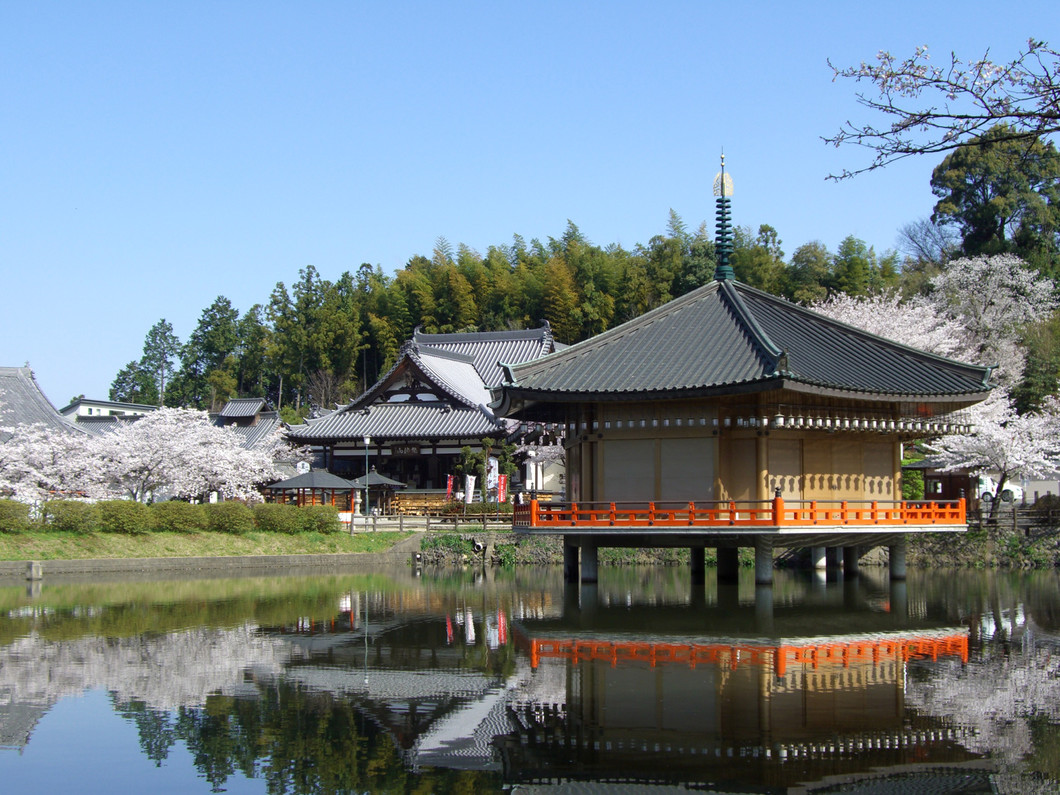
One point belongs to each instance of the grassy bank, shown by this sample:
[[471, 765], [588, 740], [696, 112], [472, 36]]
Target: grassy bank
[[59, 545]]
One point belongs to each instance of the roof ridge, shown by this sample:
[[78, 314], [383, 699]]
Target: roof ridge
[[479, 336], [729, 290]]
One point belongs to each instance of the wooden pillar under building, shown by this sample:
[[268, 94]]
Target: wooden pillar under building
[[897, 555], [589, 560], [818, 559], [763, 561], [851, 556], [833, 558], [698, 565], [570, 561], [728, 564]]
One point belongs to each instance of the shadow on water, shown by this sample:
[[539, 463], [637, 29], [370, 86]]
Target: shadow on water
[[453, 680]]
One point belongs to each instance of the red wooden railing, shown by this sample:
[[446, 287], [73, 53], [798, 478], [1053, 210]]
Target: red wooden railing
[[845, 653], [732, 513]]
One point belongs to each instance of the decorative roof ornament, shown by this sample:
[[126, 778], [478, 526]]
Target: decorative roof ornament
[[723, 190]]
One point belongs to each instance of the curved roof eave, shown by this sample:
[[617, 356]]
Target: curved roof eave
[[514, 393]]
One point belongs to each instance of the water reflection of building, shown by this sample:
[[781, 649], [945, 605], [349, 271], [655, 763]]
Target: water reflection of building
[[696, 708]]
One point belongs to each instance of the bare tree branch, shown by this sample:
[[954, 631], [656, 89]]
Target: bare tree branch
[[933, 109]]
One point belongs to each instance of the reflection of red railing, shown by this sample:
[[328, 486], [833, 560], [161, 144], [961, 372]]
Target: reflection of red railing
[[858, 652], [732, 513]]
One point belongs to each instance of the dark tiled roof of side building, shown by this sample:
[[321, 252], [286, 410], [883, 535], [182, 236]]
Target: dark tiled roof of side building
[[489, 349], [726, 338], [242, 407], [23, 402], [461, 368]]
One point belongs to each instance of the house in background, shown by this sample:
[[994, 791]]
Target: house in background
[[100, 416], [85, 407], [412, 424]]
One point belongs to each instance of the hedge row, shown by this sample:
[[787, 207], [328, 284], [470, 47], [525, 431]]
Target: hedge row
[[123, 516]]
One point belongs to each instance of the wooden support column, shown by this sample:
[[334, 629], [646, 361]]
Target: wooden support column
[[851, 556], [698, 565], [833, 558], [762, 456], [763, 560], [570, 560], [897, 566], [818, 559], [589, 560], [728, 564]]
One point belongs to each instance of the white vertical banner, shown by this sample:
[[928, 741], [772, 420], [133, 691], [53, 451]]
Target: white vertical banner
[[469, 488], [493, 470]]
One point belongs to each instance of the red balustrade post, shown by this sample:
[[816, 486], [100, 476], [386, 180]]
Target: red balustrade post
[[778, 509]]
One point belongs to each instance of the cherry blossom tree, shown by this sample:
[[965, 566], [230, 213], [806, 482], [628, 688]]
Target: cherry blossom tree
[[976, 312], [39, 463], [931, 109], [178, 453], [1003, 443], [917, 322], [994, 298]]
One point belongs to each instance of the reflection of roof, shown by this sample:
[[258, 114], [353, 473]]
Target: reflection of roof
[[726, 337], [23, 403]]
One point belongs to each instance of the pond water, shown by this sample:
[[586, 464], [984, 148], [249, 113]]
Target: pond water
[[490, 681]]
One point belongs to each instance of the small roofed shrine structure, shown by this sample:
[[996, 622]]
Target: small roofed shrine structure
[[732, 418], [378, 489], [414, 421], [313, 488]]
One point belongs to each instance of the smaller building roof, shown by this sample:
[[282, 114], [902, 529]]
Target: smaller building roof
[[375, 480], [243, 407], [317, 479]]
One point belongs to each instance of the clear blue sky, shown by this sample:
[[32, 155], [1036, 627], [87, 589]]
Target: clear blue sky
[[155, 155]]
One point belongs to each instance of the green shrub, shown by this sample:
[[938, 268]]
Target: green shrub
[[229, 517], [450, 542], [320, 519], [124, 516], [176, 516], [273, 517], [477, 508], [14, 516], [71, 516]]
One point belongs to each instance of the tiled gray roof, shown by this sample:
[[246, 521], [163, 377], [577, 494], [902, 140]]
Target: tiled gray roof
[[242, 407], [399, 421], [489, 349], [253, 435], [23, 403], [727, 337], [454, 366], [97, 426]]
